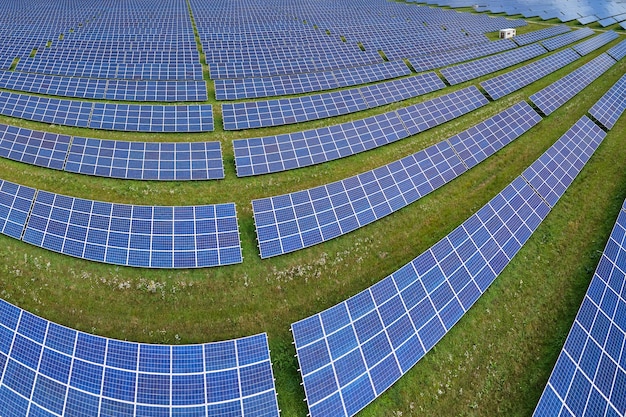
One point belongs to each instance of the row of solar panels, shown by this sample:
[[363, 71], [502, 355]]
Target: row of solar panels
[[48, 369], [119, 71], [122, 90], [351, 353], [108, 116], [178, 161], [301, 219], [589, 377], [122, 234]]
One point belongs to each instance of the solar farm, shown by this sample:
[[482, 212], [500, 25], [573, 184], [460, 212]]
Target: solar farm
[[263, 208]]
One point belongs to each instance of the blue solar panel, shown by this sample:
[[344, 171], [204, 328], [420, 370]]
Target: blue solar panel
[[437, 60], [537, 35], [239, 88], [290, 222], [33, 147], [127, 90], [618, 51], [611, 105], [589, 377], [247, 115], [594, 43], [145, 160], [554, 171], [46, 366], [15, 204], [504, 84], [474, 69], [95, 115], [352, 352], [141, 236], [566, 39], [294, 150], [559, 92]]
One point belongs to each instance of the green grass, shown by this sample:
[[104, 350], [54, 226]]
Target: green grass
[[494, 362]]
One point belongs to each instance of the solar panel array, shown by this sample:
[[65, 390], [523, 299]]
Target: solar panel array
[[594, 43], [108, 116], [48, 369], [239, 88], [141, 236], [124, 90], [504, 84], [294, 221], [437, 60], [248, 115], [589, 377], [115, 159], [559, 92], [118, 71], [352, 352], [146, 160], [618, 51], [567, 38], [611, 105], [295, 150], [541, 34], [474, 69]]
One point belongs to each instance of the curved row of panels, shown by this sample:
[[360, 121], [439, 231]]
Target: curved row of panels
[[122, 234], [50, 370]]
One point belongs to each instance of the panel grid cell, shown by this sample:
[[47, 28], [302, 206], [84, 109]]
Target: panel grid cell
[[130, 377], [290, 222], [611, 105], [294, 150], [559, 92], [352, 352], [474, 69], [140, 236]]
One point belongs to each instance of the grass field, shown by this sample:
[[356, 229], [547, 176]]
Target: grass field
[[496, 361]]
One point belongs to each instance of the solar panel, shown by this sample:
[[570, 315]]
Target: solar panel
[[554, 171], [294, 221], [618, 51], [559, 92], [504, 84], [247, 115], [607, 22], [141, 236], [54, 370], [33, 147], [611, 105], [109, 116], [145, 160], [594, 43], [437, 60], [474, 69], [537, 35], [240, 88], [589, 377], [15, 204], [351, 353], [566, 39], [294, 150]]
